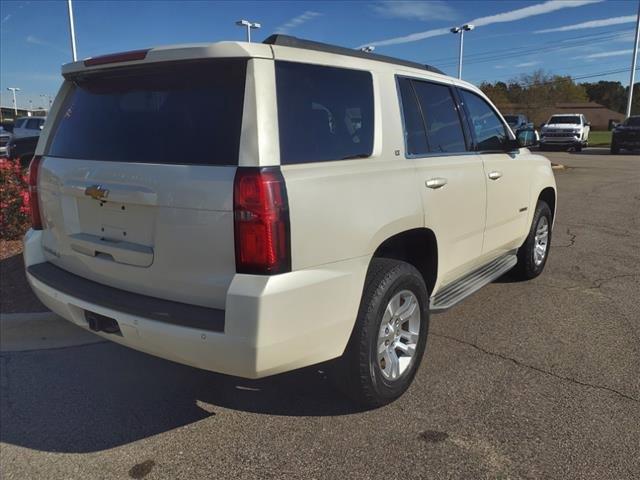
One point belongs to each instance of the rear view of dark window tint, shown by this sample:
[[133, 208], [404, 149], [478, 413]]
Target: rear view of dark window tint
[[324, 113], [179, 113], [414, 130], [444, 130]]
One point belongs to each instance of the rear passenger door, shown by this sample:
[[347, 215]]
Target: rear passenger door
[[450, 177], [507, 176]]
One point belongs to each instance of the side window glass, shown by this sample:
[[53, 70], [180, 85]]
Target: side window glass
[[489, 131], [324, 113], [33, 124], [414, 130], [444, 130]]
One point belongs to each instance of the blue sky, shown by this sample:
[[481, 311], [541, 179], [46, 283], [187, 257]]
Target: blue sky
[[577, 37]]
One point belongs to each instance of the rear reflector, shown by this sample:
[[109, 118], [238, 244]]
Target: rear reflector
[[117, 58], [34, 202], [261, 221]]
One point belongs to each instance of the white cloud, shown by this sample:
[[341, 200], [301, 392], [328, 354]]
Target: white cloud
[[5, 19], [297, 21], [38, 41], [604, 22], [511, 16], [528, 64], [412, 10], [614, 53]]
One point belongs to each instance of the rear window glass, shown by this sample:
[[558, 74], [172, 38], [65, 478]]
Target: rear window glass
[[324, 113], [179, 113]]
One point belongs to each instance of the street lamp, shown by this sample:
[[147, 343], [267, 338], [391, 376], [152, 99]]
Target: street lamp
[[464, 28], [633, 64], [15, 105], [72, 31], [248, 25]]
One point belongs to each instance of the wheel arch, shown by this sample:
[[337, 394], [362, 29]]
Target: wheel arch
[[418, 247], [548, 195]]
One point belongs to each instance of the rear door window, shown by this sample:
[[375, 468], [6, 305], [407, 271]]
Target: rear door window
[[324, 113], [444, 130], [176, 113], [414, 130], [431, 120]]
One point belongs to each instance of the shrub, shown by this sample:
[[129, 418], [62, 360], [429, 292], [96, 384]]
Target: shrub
[[14, 200]]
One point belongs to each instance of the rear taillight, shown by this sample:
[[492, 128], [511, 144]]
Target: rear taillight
[[261, 221], [34, 203]]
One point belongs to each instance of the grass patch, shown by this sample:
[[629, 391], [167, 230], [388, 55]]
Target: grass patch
[[599, 139]]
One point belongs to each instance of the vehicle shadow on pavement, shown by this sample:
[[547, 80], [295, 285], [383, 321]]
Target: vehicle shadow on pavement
[[92, 398]]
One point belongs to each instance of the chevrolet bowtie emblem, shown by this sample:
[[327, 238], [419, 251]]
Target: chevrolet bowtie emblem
[[97, 192]]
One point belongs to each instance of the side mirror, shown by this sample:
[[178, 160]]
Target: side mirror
[[41, 127], [587, 124], [526, 137]]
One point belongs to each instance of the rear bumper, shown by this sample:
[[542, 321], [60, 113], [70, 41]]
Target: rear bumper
[[270, 324]]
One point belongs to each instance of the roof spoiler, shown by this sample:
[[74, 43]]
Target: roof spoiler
[[289, 41]]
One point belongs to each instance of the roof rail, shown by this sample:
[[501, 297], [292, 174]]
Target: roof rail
[[289, 41]]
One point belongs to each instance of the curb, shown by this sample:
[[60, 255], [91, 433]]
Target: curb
[[23, 332]]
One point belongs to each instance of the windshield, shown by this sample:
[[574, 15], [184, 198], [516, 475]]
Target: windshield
[[570, 119], [511, 119], [177, 113], [633, 122]]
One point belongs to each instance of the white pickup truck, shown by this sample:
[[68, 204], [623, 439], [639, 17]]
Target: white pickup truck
[[326, 203], [565, 130]]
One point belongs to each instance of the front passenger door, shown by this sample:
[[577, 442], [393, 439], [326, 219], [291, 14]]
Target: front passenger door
[[506, 177]]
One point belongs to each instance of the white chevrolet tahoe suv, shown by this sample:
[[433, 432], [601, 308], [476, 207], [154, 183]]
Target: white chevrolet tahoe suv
[[256, 208], [566, 130]]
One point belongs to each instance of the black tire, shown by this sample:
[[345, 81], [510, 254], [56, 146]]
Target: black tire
[[358, 373], [578, 147], [527, 266], [615, 149]]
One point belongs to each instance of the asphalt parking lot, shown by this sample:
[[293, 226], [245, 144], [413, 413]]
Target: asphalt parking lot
[[523, 380]]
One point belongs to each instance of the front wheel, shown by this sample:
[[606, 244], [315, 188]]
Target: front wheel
[[389, 337], [532, 255]]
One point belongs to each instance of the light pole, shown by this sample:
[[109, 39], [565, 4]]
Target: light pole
[[248, 25], [15, 105], [72, 31], [633, 64], [464, 28]]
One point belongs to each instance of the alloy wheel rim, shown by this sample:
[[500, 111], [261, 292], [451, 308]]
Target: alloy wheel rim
[[541, 241], [398, 335]]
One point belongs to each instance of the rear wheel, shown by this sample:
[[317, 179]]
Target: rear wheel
[[532, 255], [389, 337], [615, 149]]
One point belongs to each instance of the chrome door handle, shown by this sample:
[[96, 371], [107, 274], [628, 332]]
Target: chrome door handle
[[436, 182], [495, 175]]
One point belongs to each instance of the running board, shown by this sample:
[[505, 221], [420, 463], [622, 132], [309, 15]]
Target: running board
[[457, 291]]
